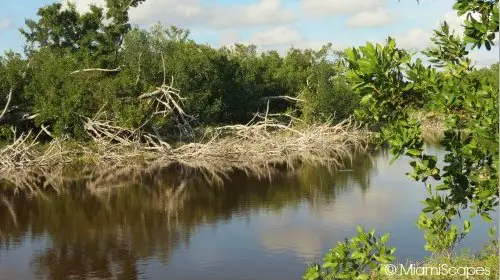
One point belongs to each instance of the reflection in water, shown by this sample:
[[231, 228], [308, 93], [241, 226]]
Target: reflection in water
[[169, 223]]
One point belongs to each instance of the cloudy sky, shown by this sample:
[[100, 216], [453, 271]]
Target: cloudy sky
[[275, 24]]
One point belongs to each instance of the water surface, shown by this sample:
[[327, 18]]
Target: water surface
[[171, 224]]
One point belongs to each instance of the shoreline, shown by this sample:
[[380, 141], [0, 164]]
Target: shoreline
[[255, 149]]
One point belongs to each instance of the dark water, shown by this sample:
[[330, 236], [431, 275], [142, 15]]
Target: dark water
[[170, 224]]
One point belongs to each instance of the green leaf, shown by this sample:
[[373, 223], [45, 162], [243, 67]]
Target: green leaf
[[312, 273], [357, 255], [467, 226], [414, 152], [487, 45], [428, 209], [362, 277], [492, 232], [360, 229], [442, 187], [486, 217], [384, 238], [365, 99], [484, 194]]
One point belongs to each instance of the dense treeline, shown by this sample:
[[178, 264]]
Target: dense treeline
[[225, 85], [220, 86]]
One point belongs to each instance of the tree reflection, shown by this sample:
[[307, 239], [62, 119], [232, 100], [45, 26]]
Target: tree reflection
[[103, 226]]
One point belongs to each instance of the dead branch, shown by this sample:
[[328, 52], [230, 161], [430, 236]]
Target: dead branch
[[168, 101], [29, 117], [106, 134], [45, 129], [128, 6], [254, 148], [283, 97], [164, 70], [139, 71], [9, 97], [23, 152], [23, 76], [97, 69]]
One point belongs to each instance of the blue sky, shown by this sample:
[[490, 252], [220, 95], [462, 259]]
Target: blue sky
[[275, 24]]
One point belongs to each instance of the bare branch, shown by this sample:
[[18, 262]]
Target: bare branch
[[8, 102], [139, 71], [168, 100], [97, 69], [164, 70], [128, 6], [29, 117], [283, 97], [45, 129]]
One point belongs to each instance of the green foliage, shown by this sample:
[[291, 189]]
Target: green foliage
[[376, 72], [487, 76], [481, 21], [13, 79], [448, 48], [486, 259], [218, 85], [327, 95], [390, 83], [356, 258]]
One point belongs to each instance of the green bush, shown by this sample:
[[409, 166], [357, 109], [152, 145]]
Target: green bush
[[357, 258]]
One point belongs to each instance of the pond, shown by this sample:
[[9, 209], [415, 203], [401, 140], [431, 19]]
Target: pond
[[169, 223]]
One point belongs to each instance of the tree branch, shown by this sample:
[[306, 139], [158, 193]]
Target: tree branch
[[8, 102], [283, 97], [97, 69]]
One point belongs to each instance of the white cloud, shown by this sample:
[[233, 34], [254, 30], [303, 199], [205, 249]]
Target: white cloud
[[263, 12], [419, 38], [280, 35], [280, 39], [5, 23], [173, 12], [484, 58], [372, 18], [305, 242], [455, 22], [196, 12], [414, 39], [317, 45], [228, 37], [330, 7]]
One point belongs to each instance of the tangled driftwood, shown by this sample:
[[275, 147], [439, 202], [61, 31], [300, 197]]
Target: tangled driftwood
[[26, 151], [168, 102], [254, 147]]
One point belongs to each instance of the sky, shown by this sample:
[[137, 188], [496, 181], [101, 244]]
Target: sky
[[275, 24]]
